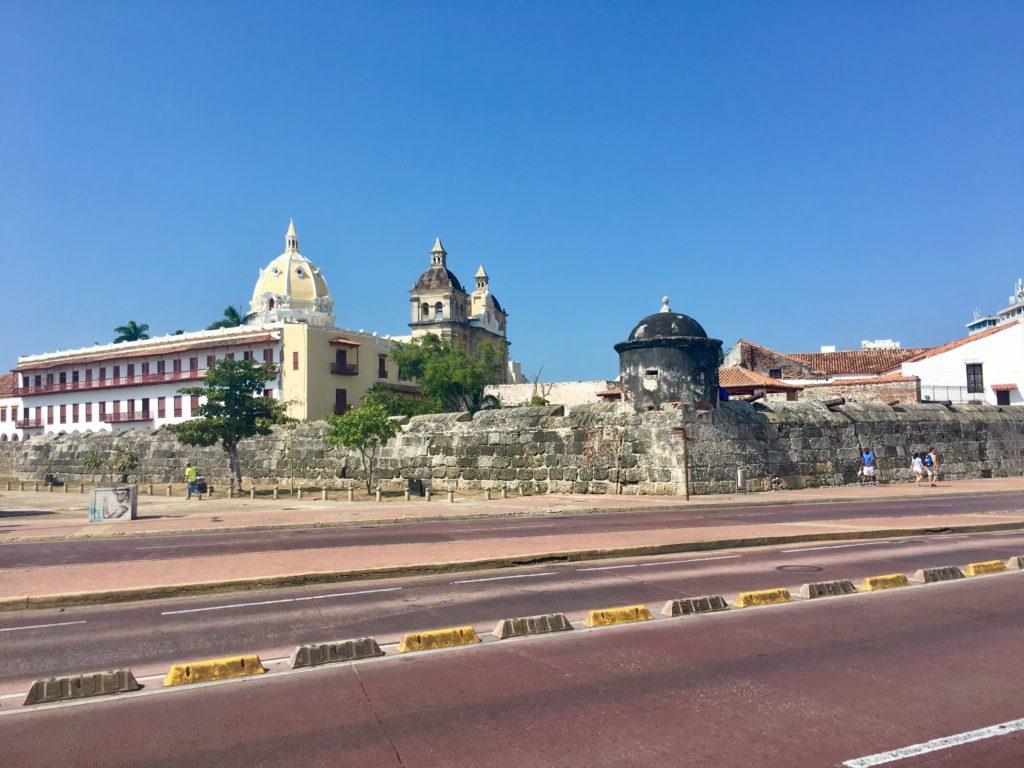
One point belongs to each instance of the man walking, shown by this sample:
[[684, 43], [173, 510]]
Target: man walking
[[931, 464], [192, 479], [868, 468]]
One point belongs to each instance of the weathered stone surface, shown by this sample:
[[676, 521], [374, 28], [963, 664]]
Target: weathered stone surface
[[81, 686], [827, 589], [692, 605], [328, 653], [942, 573]]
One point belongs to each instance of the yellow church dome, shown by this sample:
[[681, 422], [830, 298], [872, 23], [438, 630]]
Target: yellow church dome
[[292, 289]]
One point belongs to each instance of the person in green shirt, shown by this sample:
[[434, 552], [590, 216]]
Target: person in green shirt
[[192, 478]]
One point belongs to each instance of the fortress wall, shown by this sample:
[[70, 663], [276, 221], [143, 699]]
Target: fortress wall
[[599, 448]]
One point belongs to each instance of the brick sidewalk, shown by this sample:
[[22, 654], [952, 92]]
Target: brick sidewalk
[[20, 520]]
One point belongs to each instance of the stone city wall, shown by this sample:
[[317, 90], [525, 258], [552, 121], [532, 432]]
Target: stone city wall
[[601, 448]]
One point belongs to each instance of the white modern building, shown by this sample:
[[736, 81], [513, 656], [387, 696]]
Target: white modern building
[[1014, 310]]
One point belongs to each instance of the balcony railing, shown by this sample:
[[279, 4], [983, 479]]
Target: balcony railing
[[130, 416], [345, 369], [122, 381], [950, 394], [340, 408], [28, 423]]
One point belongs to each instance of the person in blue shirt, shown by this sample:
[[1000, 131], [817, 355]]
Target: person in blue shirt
[[868, 468]]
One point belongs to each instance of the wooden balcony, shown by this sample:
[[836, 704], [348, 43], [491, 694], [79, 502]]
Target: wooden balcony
[[345, 369], [28, 423], [125, 418], [123, 381]]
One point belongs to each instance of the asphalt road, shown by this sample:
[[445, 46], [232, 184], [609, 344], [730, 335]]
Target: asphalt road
[[130, 549], [149, 636], [822, 683]]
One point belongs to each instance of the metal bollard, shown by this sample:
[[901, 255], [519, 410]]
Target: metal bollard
[[252, 491], [276, 494], [298, 494], [81, 487], [741, 479], [21, 486], [378, 495], [351, 495], [49, 489], [407, 495], [427, 493], [504, 492], [487, 494], [323, 493], [150, 489], [451, 496], [65, 487], [36, 486], [168, 489]]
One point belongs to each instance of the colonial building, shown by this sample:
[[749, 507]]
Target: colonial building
[[441, 306], [321, 369]]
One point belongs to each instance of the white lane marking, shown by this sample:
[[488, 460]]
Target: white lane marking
[[501, 578], [178, 546], [936, 744], [694, 560], [1008, 533], [275, 602], [42, 626], [837, 546], [606, 568]]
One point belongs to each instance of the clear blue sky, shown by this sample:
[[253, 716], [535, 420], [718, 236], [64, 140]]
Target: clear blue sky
[[796, 173]]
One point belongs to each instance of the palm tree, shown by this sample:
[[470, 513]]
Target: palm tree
[[232, 318], [131, 331]]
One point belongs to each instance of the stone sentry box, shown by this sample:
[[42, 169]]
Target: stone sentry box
[[668, 358], [113, 504]]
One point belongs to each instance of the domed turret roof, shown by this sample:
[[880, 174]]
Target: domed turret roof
[[667, 324], [292, 288], [438, 277]]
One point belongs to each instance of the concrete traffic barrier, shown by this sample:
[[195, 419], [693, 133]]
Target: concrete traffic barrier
[[942, 573], [889, 581], [692, 605], [531, 625], [623, 615], [762, 597], [1015, 563], [437, 638], [985, 568], [214, 669], [328, 653], [81, 686], [827, 589]]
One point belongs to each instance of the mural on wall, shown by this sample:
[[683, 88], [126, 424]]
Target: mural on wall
[[113, 504]]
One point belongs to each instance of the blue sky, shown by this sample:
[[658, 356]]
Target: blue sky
[[796, 173]]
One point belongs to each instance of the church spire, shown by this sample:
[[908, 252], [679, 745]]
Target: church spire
[[291, 239], [438, 254]]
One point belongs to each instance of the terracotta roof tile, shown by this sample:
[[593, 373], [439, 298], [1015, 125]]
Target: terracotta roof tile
[[734, 376], [960, 342], [857, 360], [892, 378]]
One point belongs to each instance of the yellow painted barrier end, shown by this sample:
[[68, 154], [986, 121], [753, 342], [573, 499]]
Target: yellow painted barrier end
[[623, 615], [889, 581], [437, 638], [762, 597], [984, 569]]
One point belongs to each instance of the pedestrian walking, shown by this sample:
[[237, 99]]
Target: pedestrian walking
[[917, 467], [192, 481], [869, 467], [931, 465]]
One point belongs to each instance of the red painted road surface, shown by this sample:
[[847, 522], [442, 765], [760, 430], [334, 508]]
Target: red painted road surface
[[809, 684]]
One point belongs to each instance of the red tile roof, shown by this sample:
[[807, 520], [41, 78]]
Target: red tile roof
[[6, 384], [892, 378], [775, 352], [858, 360], [341, 341], [960, 342], [732, 376], [1003, 387]]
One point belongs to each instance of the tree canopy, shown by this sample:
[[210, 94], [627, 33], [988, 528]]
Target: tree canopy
[[233, 317], [397, 404], [234, 409], [364, 430], [131, 331], [447, 374]]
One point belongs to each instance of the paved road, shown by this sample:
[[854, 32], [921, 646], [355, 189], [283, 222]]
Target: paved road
[[812, 684], [151, 635], [115, 550]]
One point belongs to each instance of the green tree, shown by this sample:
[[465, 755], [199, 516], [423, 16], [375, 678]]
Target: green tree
[[364, 430], [233, 317], [234, 409], [448, 374], [397, 404], [131, 331]]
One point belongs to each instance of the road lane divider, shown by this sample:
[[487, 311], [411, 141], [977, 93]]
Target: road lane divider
[[889, 581], [1015, 563], [214, 669], [942, 573], [315, 654], [762, 597], [437, 638], [986, 568], [692, 605], [81, 686], [827, 589], [531, 625], [624, 615]]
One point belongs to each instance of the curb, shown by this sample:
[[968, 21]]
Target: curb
[[156, 592]]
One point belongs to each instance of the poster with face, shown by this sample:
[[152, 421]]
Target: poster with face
[[113, 504]]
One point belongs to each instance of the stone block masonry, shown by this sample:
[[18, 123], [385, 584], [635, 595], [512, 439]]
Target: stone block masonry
[[599, 448]]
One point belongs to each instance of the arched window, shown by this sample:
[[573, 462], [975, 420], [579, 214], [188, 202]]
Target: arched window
[[425, 311], [14, 438], [270, 304], [439, 311], [3, 438]]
